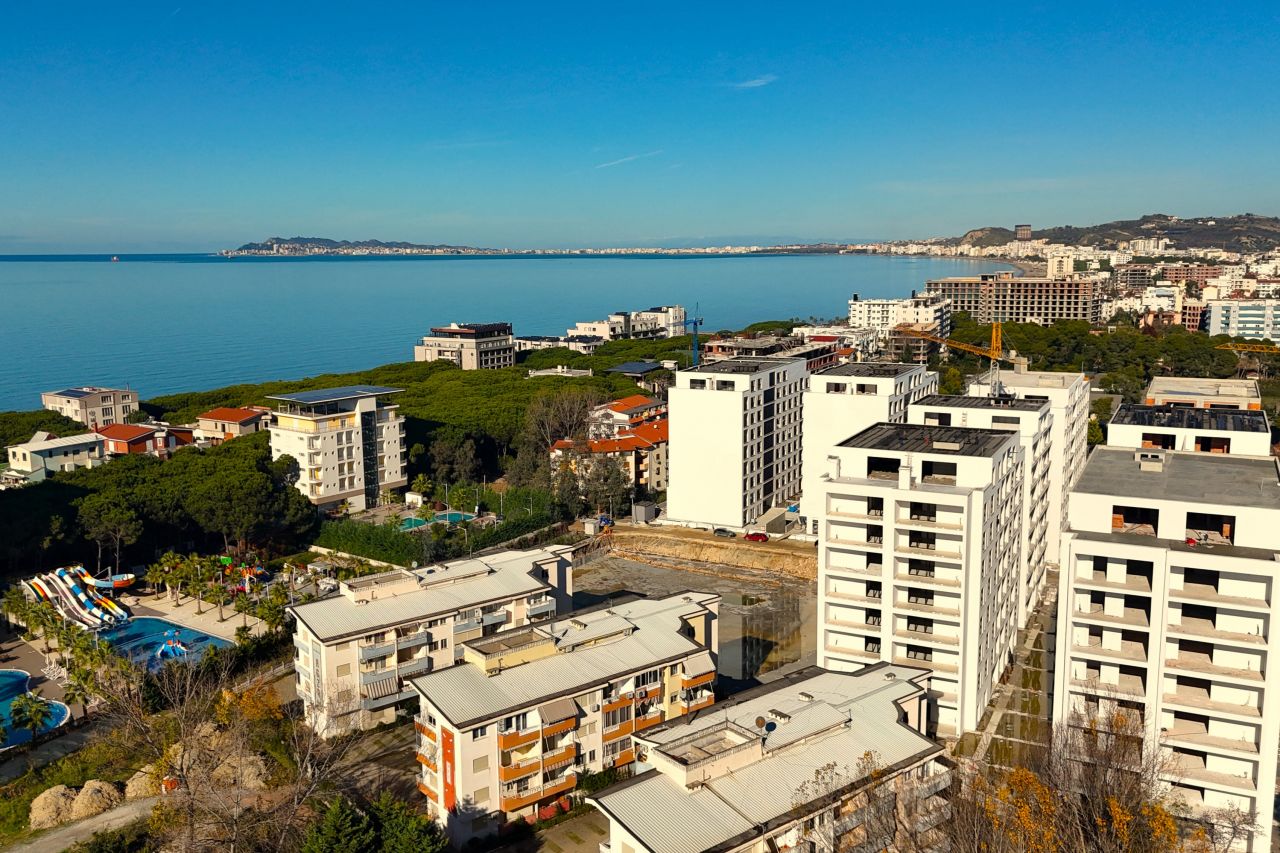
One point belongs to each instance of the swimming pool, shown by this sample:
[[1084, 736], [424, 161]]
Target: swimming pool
[[453, 516], [411, 523], [141, 637], [13, 683]]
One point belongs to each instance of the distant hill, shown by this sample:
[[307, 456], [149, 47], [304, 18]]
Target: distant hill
[[1244, 233], [345, 245]]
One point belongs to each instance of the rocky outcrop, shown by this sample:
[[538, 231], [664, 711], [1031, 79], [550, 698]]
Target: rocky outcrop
[[52, 807], [95, 798], [248, 772], [144, 783]]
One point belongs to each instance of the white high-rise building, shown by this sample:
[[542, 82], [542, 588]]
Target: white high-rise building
[[1068, 398], [734, 440], [846, 399], [1253, 319], [919, 556], [349, 445], [925, 310], [1032, 422], [1168, 611], [1238, 432]]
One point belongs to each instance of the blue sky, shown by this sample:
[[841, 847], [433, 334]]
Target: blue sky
[[184, 126]]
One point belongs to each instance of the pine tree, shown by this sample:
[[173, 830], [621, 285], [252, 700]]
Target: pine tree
[[401, 830], [343, 829]]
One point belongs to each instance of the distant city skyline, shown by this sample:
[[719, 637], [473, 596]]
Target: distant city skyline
[[163, 128]]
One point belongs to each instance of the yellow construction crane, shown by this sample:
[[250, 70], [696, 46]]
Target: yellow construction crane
[[1250, 347], [995, 351], [1243, 368]]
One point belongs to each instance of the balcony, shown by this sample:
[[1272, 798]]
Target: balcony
[[650, 721], [427, 761], [625, 757], [519, 769], [556, 757], [1130, 650], [1186, 768], [917, 636], [428, 793], [1208, 594], [559, 727], [1128, 685], [516, 800], [849, 652], [1199, 662], [697, 703], [1198, 700], [1132, 617], [1128, 583], [928, 606], [517, 737], [1204, 628], [928, 549], [409, 641], [1197, 735], [376, 651], [421, 727], [689, 682], [853, 596], [933, 784], [498, 617], [415, 667], [369, 676], [950, 580], [620, 730], [932, 816], [545, 608], [936, 666], [926, 523]]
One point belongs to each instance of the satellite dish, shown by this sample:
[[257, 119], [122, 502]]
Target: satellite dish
[[759, 722], [770, 726]]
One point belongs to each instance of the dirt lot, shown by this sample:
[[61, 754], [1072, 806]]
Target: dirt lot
[[766, 618], [798, 559]]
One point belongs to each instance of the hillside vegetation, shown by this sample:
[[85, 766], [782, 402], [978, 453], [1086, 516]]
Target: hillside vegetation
[[1244, 233]]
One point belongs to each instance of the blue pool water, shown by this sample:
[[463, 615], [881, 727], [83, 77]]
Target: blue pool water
[[450, 517], [141, 638], [411, 523], [13, 683]]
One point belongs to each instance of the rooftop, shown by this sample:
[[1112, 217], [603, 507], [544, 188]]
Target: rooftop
[[125, 432], [472, 329], [869, 368], [422, 594], [958, 401], [333, 395], [1180, 417], [919, 438], [816, 723], [742, 365], [1187, 386], [591, 648], [47, 441], [83, 391], [1034, 379], [225, 413], [1198, 478], [634, 367]]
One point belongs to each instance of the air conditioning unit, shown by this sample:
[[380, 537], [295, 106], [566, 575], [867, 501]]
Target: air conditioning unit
[[595, 709]]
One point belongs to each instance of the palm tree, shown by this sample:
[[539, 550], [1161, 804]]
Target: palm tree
[[158, 573], [32, 712], [15, 604], [221, 597], [76, 692]]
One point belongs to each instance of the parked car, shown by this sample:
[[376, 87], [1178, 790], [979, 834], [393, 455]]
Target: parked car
[[727, 534], [756, 536]]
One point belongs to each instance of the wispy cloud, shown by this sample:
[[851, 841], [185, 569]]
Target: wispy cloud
[[756, 82], [630, 159]]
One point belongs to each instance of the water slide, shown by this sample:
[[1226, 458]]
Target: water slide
[[86, 608], [37, 590], [62, 600], [102, 601], [113, 582]]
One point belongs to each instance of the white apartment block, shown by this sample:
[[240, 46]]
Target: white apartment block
[[1252, 319], [918, 562], [1032, 422], [663, 321], [1195, 393], [357, 650], [349, 445], [471, 346], [927, 311], [528, 712], [723, 782], [844, 400], [1168, 610], [45, 454], [1068, 398], [735, 429], [91, 406], [1238, 432]]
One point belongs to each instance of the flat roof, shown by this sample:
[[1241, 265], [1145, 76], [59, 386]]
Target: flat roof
[[959, 401], [1180, 417], [1190, 386], [634, 367], [743, 364], [598, 646], [35, 445], [1033, 378], [922, 438], [73, 392], [869, 368], [821, 721], [333, 395], [1201, 478]]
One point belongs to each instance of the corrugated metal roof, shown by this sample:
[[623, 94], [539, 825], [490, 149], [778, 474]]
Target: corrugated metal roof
[[332, 395], [699, 664], [667, 818], [35, 446]]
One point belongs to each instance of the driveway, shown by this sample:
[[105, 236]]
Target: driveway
[[60, 838]]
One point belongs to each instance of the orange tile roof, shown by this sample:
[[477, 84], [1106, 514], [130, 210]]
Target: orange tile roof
[[632, 402], [640, 438], [125, 432], [225, 413]]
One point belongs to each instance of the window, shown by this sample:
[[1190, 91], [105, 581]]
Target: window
[[479, 732], [698, 384], [481, 764], [516, 722], [344, 669], [481, 795], [617, 717], [644, 679]]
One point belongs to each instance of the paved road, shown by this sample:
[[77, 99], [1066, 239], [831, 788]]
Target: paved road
[[59, 839]]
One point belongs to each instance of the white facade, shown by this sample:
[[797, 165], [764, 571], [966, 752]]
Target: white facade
[[1168, 610], [92, 406], [883, 315], [735, 429], [1068, 398], [1252, 319], [841, 402], [1032, 422], [349, 446], [357, 650], [471, 346], [35, 460], [663, 321], [918, 562], [1228, 431], [1196, 393]]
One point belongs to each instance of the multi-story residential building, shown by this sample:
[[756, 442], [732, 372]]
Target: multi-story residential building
[[1133, 276], [34, 460], [1197, 274], [918, 562], [735, 428], [471, 346], [1033, 422], [844, 400], [126, 439], [642, 453], [1230, 431], [348, 443], [785, 766], [1252, 319], [1007, 298], [816, 354], [608, 420], [1068, 397], [529, 711], [1188, 392], [92, 406], [357, 650], [1168, 613], [1022, 232], [1193, 314], [225, 423], [663, 321], [585, 344], [926, 311]]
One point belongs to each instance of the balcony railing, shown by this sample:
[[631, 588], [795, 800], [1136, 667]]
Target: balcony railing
[[513, 800], [517, 737]]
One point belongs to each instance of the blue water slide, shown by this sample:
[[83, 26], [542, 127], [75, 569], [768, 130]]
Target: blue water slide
[[94, 610]]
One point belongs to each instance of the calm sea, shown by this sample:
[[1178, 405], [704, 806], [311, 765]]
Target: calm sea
[[166, 323]]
